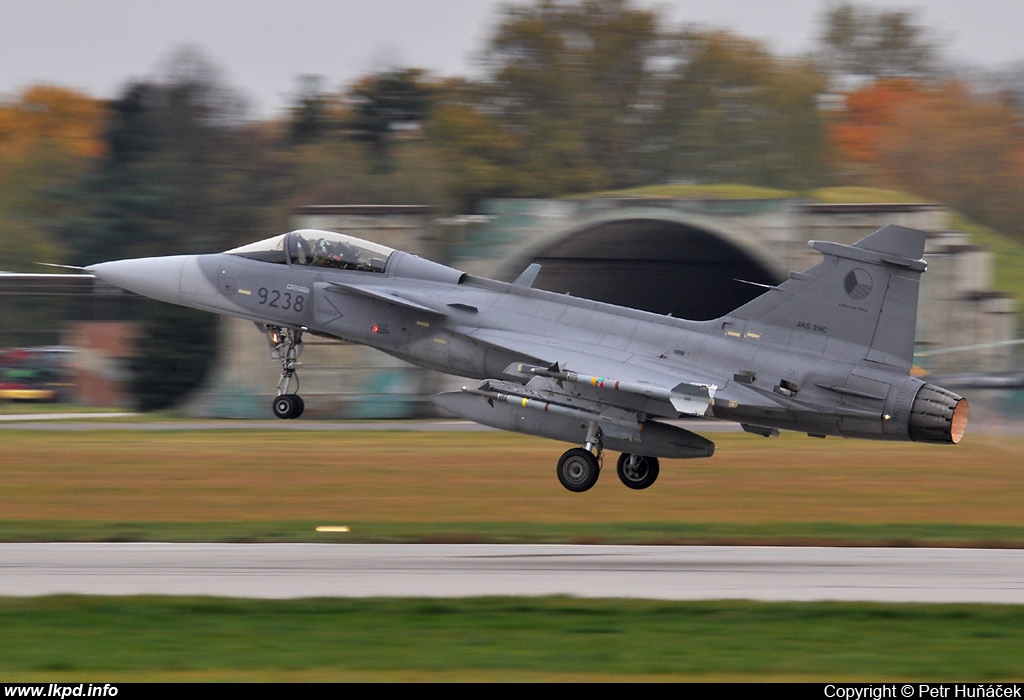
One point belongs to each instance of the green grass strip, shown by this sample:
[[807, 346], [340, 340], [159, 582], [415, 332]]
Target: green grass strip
[[172, 639]]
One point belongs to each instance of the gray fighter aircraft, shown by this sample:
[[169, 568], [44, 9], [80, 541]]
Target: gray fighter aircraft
[[827, 352]]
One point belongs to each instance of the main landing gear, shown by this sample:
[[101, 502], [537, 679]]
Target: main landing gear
[[579, 468], [638, 472], [286, 346]]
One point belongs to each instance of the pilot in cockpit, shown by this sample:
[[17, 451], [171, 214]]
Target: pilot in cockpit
[[337, 254]]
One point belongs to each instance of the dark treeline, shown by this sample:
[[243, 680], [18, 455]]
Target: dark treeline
[[574, 97]]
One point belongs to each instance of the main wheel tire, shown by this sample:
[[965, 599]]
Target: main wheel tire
[[638, 472], [288, 406], [578, 469]]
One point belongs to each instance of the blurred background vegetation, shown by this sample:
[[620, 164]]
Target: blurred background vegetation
[[573, 97]]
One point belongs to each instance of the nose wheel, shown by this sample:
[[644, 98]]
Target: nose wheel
[[288, 406], [286, 346]]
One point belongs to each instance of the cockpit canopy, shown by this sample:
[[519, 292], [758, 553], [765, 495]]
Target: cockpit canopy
[[312, 248]]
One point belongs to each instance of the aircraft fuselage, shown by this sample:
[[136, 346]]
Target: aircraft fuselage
[[824, 363]]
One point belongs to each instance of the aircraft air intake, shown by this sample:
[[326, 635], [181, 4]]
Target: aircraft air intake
[[938, 415]]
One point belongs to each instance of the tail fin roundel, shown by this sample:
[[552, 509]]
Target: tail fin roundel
[[864, 294]]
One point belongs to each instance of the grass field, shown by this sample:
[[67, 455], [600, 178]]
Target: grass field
[[278, 485], [259, 485], [102, 640]]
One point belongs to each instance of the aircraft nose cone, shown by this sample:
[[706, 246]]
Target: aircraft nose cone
[[156, 278]]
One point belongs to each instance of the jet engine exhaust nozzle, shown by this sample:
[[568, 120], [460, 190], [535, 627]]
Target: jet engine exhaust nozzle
[[938, 415]]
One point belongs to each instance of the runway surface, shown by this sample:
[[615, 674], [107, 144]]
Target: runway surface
[[653, 572]]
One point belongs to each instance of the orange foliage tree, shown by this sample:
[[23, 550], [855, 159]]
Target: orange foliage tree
[[46, 115], [867, 115], [941, 141], [48, 137]]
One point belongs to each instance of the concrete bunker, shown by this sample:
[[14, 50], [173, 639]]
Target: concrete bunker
[[662, 265]]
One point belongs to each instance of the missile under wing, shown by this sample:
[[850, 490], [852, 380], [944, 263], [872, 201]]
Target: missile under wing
[[827, 352]]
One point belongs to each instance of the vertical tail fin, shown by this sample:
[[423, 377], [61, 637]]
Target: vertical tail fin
[[864, 294]]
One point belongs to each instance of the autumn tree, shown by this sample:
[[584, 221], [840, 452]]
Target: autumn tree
[[384, 106], [480, 156], [182, 172], [866, 120], [600, 94], [572, 83], [48, 138], [943, 141], [367, 146], [50, 116], [962, 149], [863, 42], [310, 115], [732, 112]]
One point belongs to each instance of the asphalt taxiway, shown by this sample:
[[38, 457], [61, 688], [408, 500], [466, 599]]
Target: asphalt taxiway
[[651, 572]]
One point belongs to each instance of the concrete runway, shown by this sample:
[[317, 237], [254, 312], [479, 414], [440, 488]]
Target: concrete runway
[[653, 572]]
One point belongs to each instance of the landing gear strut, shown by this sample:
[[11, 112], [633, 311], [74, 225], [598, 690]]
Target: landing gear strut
[[286, 346]]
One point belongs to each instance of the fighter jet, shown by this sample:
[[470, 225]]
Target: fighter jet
[[828, 352]]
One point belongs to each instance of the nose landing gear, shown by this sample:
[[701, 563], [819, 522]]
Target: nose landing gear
[[289, 406], [286, 347]]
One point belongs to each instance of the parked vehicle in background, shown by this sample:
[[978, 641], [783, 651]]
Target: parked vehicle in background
[[40, 374]]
